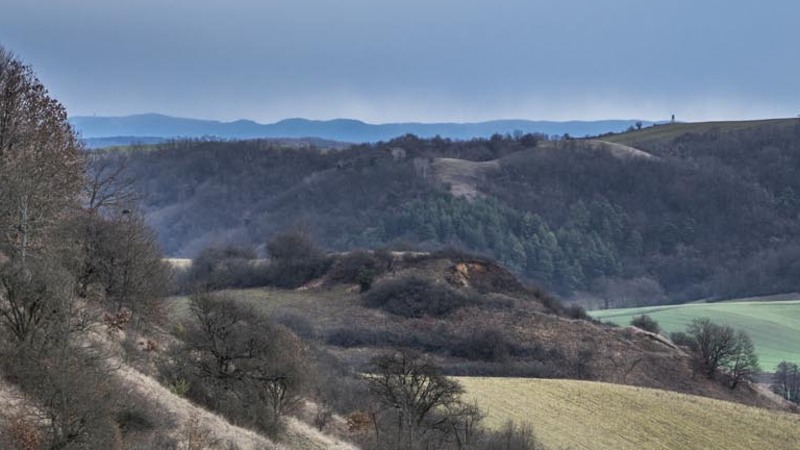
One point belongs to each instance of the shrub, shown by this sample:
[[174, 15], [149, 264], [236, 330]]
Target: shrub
[[582, 364], [512, 437], [681, 339], [300, 325], [576, 312], [295, 260], [21, 432], [646, 323], [361, 267], [238, 363], [487, 344], [337, 387], [224, 267], [414, 296], [349, 337]]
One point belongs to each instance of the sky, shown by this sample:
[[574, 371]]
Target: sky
[[413, 60]]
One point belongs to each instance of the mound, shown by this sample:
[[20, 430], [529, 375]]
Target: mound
[[487, 324]]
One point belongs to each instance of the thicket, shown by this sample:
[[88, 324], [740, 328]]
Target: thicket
[[237, 363], [222, 267], [416, 407], [75, 259]]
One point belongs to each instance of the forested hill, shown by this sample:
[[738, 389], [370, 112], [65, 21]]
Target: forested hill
[[684, 212]]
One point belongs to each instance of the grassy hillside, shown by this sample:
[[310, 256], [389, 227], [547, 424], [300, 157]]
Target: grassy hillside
[[496, 327], [672, 131], [773, 325], [591, 415]]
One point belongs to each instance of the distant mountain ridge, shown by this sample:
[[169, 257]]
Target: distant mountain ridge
[[153, 126]]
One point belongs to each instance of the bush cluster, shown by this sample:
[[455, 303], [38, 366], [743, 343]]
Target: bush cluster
[[415, 296]]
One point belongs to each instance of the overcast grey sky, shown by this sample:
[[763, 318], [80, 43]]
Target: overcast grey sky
[[414, 60]]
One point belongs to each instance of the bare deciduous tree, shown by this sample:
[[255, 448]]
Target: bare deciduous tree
[[786, 381], [108, 187], [743, 365], [412, 388], [242, 364], [721, 348], [41, 160]]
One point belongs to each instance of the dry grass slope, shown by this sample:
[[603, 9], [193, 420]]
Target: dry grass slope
[[671, 131], [590, 415]]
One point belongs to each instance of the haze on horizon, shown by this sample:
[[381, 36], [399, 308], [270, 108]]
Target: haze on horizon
[[413, 60]]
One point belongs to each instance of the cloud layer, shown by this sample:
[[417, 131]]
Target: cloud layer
[[443, 60]]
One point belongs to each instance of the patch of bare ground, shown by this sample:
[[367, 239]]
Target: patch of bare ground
[[615, 149], [464, 177], [618, 150]]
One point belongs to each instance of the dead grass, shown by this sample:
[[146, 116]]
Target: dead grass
[[618, 150], [591, 415], [188, 416], [671, 131], [463, 176]]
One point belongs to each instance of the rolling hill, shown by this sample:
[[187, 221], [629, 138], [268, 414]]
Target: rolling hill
[[589, 415], [774, 326], [693, 211]]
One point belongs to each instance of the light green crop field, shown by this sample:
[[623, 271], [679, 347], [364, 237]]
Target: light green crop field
[[568, 414], [774, 326]]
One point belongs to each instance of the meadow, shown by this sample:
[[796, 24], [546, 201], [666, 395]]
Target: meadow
[[568, 414], [674, 130], [774, 326]]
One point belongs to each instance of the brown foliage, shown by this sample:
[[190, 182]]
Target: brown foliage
[[21, 433]]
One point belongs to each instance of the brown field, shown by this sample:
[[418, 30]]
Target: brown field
[[567, 414]]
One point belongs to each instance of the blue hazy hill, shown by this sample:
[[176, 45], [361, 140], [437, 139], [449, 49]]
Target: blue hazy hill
[[154, 126]]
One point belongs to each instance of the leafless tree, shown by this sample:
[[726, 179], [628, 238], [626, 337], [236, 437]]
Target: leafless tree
[[44, 347], [743, 364], [786, 381], [412, 388], [41, 160], [109, 188], [242, 362], [721, 348], [713, 344]]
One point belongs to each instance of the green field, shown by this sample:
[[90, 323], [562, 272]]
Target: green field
[[773, 325], [568, 414]]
